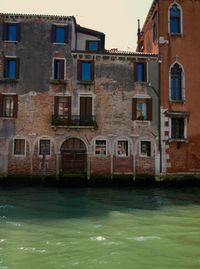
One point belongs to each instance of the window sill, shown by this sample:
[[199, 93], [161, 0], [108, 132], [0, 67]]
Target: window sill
[[8, 80], [58, 81], [11, 41], [7, 118], [85, 82], [142, 122], [179, 140], [176, 34], [177, 101], [55, 43]]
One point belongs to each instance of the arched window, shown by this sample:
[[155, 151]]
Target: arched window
[[177, 82], [175, 19]]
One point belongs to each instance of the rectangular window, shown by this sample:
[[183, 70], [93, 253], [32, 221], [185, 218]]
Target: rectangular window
[[93, 45], [59, 66], [140, 72], [177, 128], [63, 106], [85, 70], [154, 24], [11, 68], [100, 147], [8, 105], [45, 147], [19, 147], [145, 149], [142, 109], [11, 32], [122, 148], [59, 34], [85, 110]]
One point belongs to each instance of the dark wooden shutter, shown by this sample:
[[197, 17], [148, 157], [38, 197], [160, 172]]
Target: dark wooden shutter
[[149, 109], [53, 33], [79, 70], [135, 71], [66, 30], [86, 108], [134, 112], [144, 71], [87, 45], [56, 99], [5, 29], [18, 26], [17, 67], [5, 68], [62, 62], [15, 105], [92, 70], [1, 105]]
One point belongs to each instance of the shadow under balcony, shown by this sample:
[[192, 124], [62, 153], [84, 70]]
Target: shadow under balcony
[[73, 121]]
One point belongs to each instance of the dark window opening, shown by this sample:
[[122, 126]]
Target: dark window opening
[[145, 148], [11, 32], [85, 70], [8, 105], [59, 69], [11, 68], [100, 147], [44, 147], [92, 45], [178, 126], [154, 24], [122, 148], [59, 34], [140, 72], [175, 20], [19, 146], [63, 106], [176, 82]]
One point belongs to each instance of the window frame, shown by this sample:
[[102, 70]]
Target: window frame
[[150, 149], [148, 107], [6, 31], [80, 71], [180, 20], [7, 60], [62, 69], [181, 82], [39, 146], [127, 150], [56, 106], [18, 154], [144, 71], [65, 27], [87, 45], [106, 147], [3, 96], [178, 115]]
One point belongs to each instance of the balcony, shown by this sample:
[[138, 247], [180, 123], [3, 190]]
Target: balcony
[[73, 121]]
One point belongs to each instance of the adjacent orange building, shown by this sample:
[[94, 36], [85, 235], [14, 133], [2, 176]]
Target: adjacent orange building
[[171, 30]]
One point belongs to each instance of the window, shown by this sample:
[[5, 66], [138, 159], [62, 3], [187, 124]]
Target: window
[[59, 34], [86, 110], [100, 147], [140, 72], [11, 32], [59, 67], [122, 148], [154, 24], [145, 148], [45, 147], [85, 70], [63, 106], [11, 68], [8, 105], [177, 128], [142, 109], [175, 19], [93, 45], [176, 82], [19, 147]]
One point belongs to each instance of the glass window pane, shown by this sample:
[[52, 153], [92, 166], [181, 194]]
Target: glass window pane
[[122, 148], [12, 32], [8, 105], [141, 107], [140, 72], [60, 35], [145, 148], [100, 147], [44, 147], [86, 71], [93, 45], [12, 68], [19, 146]]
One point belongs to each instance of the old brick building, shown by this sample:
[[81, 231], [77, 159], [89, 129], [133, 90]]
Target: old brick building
[[170, 31], [67, 105]]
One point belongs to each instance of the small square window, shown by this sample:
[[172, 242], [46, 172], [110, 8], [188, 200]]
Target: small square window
[[59, 34], [85, 70], [122, 148], [44, 147], [11, 32], [100, 147], [92, 45], [8, 105], [19, 147], [145, 149]]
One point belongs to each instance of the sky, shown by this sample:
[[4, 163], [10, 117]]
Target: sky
[[116, 18]]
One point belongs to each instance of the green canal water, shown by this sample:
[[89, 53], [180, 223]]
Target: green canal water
[[99, 228]]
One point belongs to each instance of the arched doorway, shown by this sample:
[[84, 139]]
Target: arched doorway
[[74, 156]]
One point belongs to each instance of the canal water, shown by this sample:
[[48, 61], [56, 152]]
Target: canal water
[[46, 228]]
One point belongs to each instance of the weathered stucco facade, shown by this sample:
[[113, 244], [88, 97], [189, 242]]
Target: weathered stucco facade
[[70, 106], [169, 30]]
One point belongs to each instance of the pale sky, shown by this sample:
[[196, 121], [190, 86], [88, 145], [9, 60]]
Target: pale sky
[[116, 18]]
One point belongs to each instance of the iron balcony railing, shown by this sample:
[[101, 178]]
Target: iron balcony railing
[[73, 120]]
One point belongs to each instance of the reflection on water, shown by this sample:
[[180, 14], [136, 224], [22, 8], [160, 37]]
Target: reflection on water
[[99, 228]]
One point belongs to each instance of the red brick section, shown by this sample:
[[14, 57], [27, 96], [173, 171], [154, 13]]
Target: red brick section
[[123, 164], [100, 166], [145, 165]]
